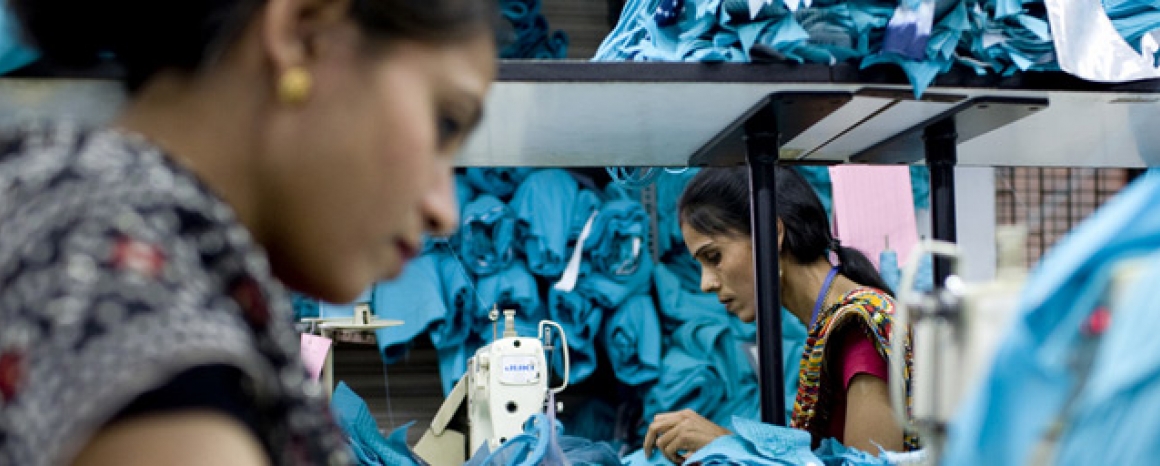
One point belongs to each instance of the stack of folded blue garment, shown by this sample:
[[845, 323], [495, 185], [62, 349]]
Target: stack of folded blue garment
[[530, 27], [997, 37]]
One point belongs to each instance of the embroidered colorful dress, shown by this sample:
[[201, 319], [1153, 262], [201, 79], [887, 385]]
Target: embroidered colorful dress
[[869, 310], [121, 273]]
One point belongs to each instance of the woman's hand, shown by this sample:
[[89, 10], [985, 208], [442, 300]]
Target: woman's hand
[[680, 433]]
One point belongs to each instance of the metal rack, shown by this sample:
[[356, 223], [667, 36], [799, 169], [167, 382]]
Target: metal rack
[[562, 113]]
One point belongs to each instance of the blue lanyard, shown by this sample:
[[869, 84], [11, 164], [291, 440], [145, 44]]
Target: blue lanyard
[[822, 295]]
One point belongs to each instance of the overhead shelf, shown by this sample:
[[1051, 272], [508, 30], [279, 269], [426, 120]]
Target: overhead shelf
[[562, 113]]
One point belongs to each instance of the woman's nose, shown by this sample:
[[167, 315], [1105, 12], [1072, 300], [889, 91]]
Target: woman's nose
[[440, 207], [709, 282]]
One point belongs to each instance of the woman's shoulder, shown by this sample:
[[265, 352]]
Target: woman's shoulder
[[873, 299]]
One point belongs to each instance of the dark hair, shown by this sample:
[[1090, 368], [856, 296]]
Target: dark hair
[[147, 36], [716, 202]]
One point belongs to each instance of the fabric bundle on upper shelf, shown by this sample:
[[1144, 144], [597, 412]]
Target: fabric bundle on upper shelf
[[923, 37]]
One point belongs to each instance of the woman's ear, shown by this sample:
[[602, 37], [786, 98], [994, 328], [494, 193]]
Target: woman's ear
[[780, 234], [289, 27]]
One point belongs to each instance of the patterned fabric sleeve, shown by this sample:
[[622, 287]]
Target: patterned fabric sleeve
[[97, 314], [118, 271]]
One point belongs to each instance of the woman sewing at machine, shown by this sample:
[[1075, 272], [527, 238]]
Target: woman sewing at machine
[[846, 306], [265, 142]]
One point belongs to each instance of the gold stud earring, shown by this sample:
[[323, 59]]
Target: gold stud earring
[[294, 85]]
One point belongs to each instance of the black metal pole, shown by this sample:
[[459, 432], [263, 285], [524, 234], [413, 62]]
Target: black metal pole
[[761, 145], [940, 140]]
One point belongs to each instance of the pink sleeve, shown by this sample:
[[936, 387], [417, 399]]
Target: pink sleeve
[[860, 357]]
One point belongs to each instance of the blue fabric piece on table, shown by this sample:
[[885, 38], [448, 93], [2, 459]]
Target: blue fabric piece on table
[[416, 298], [370, 447], [500, 182], [632, 339], [581, 321], [1010, 410], [583, 452], [460, 302], [487, 235], [543, 204], [754, 443], [13, 53]]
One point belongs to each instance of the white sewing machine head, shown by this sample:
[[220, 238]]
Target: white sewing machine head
[[505, 384]]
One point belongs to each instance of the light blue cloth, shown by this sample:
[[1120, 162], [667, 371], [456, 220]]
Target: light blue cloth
[[669, 187], [587, 202], [581, 321], [537, 445], [754, 443], [460, 301], [500, 182], [369, 446], [677, 306], [609, 293], [487, 235], [618, 244], [512, 288], [632, 338], [13, 53], [1004, 419], [705, 370], [543, 204], [416, 298], [1115, 420]]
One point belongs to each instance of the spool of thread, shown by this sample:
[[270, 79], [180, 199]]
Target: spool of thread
[[888, 267]]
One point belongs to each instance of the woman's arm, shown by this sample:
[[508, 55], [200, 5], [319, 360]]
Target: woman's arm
[[870, 421], [680, 433], [187, 438]]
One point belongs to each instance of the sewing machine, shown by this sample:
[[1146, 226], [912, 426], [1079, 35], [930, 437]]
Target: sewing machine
[[506, 383], [955, 331]]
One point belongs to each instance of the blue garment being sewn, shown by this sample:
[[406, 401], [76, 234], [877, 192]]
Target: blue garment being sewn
[[544, 232], [632, 338], [369, 446], [1005, 418]]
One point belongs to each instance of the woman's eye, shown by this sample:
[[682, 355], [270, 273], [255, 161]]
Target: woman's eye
[[713, 258], [448, 129]]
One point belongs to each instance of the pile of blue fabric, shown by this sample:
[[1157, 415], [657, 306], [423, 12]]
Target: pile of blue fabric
[[922, 37], [553, 246], [532, 38]]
